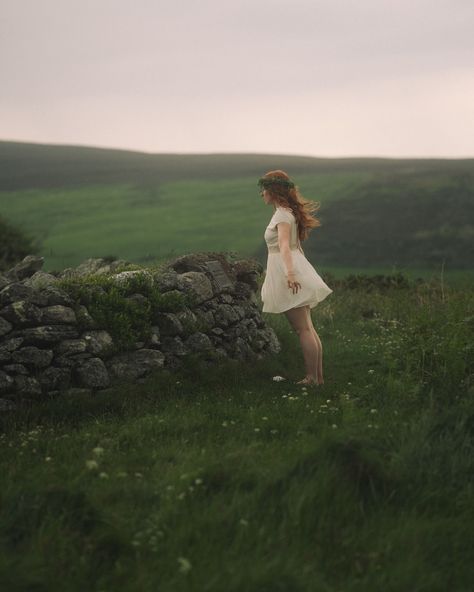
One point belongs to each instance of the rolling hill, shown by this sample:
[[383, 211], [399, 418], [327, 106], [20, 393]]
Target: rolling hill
[[376, 212]]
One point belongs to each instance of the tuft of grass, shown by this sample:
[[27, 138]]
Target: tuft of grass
[[111, 307]]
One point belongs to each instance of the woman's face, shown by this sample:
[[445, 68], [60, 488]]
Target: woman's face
[[266, 196]]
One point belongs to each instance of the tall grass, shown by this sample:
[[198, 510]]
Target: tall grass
[[222, 479]]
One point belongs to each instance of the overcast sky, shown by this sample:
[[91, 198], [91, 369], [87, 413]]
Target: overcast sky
[[309, 77]]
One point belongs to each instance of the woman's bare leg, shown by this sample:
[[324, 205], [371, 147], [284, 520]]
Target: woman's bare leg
[[320, 357], [298, 319]]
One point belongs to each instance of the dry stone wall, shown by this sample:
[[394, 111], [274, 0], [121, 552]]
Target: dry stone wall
[[50, 342]]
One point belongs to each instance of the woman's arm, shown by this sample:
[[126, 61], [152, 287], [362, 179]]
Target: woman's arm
[[284, 230]]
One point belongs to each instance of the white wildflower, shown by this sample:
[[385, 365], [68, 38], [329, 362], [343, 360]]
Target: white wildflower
[[184, 564]]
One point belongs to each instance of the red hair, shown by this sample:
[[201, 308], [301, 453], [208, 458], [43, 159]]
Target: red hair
[[292, 198]]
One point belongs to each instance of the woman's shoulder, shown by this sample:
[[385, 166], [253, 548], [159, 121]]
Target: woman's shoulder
[[287, 210]]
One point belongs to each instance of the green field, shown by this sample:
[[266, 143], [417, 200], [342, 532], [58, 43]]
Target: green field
[[376, 214], [222, 479], [213, 479]]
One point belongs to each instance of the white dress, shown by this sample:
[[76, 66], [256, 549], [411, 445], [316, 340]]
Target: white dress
[[276, 295]]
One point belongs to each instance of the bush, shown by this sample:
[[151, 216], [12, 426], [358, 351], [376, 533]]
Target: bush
[[14, 245], [110, 305]]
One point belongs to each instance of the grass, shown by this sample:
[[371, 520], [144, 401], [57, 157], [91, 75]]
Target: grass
[[222, 479], [148, 223]]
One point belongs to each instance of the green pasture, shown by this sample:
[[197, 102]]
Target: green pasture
[[223, 479], [155, 223], [376, 213]]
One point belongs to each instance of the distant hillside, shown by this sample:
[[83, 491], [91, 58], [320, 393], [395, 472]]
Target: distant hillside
[[36, 166], [83, 202]]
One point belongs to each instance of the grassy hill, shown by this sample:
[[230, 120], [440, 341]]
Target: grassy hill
[[377, 213]]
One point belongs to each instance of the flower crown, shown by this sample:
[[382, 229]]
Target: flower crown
[[266, 181]]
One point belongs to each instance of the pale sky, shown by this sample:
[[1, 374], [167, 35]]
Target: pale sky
[[308, 77]]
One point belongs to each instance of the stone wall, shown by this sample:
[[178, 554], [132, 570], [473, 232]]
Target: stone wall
[[50, 342]]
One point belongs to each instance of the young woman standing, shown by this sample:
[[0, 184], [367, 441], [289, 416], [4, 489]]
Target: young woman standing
[[291, 284]]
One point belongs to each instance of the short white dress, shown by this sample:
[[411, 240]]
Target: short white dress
[[276, 295]]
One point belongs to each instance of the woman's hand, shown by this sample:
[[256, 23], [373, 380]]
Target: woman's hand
[[292, 283]]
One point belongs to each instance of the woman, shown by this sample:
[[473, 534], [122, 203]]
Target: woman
[[291, 284]]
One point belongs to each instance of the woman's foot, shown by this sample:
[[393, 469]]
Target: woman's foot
[[308, 380]]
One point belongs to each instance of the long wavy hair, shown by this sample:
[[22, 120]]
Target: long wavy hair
[[301, 207]]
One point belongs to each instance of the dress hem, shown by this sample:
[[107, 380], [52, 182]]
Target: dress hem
[[311, 304]]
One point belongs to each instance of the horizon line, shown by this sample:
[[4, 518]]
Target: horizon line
[[226, 153]]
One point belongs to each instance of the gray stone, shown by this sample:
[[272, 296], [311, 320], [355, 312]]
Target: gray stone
[[6, 382], [22, 313], [243, 350], [271, 339], [188, 319], [227, 298], [220, 279], [65, 362], [173, 345], [55, 295], [239, 311], [206, 317], [84, 318], [241, 331], [132, 365], [242, 290], [16, 369], [199, 262], [58, 315], [81, 356], [5, 327], [55, 379], [166, 281], [32, 356], [7, 347], [198, 342], [225, 315], [4, 281], [26, 267], [71, 346], [27, 385], [7, 405], [123, 277], [39, 298], [197, 283], [248, 272], [48, 334], [88, 267], [14, 292], [169, 324], [92, 374], [40, 280], [12, 344], [154, 336], [98, 342]]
